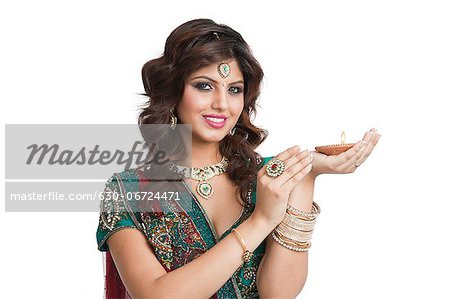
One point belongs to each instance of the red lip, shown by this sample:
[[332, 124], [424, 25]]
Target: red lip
[[214, 124]]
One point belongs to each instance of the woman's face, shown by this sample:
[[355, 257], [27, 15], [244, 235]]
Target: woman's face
[[211, 104]]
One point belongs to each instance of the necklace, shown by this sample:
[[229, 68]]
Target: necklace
[[202, 175]]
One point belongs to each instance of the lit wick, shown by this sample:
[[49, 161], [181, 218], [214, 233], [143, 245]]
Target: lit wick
[[343, 137]]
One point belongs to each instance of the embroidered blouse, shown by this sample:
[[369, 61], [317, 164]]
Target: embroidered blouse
[[177, 236]]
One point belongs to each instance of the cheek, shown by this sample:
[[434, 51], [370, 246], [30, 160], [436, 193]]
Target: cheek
[[237, 106], [191, 103]]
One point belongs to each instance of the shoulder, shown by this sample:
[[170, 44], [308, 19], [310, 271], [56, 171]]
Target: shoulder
[[116, 213]]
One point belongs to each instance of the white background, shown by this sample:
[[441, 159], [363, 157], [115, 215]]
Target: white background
[[329, 66]]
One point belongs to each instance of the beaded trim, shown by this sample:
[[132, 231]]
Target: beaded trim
[[315, 211], [289, 246]]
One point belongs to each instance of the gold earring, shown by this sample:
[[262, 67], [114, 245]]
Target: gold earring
[[173, 120], [232, 131]]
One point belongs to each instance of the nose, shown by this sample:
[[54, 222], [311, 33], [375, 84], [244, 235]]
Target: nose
[[220, 101]]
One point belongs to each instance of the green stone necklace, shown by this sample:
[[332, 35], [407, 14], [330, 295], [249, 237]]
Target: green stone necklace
[[202, 175]]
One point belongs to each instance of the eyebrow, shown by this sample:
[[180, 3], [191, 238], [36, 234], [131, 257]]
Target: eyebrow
[[206, 77]]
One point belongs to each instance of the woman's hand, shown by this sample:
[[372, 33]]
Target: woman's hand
[[273, 192], [348, 161]]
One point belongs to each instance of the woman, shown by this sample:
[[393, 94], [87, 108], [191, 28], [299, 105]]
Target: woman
[[228, 245]]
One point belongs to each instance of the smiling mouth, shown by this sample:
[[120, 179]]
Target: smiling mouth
[[215, 122], [215, 119]]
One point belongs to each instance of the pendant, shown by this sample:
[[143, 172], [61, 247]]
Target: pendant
[[205, 189]]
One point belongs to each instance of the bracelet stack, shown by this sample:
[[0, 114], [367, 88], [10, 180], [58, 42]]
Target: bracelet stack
[[295, 231]]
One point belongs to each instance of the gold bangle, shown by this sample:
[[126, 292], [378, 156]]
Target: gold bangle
[[303, 218], [291, 247], [247, 253], [298, 232], [290, 241], [293, 234], [298, 223], [315, 210]]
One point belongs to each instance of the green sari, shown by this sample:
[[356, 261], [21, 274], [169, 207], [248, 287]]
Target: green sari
[[177, 236]]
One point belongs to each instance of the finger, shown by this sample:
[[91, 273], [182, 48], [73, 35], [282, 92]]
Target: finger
[[367, 139], [285, 155], [296, 158], [348, 157], [295, 179], [350, 164], [296, 164], [370, 147], [362, 155], [281, 156]]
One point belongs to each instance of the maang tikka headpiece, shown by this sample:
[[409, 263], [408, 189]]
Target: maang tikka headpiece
[[223, 68]]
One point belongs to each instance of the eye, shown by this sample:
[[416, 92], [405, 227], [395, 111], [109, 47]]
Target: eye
[[236, 89], [202, 85]]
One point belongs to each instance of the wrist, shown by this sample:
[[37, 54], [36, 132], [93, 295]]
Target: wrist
[[318, 167], [262, 224], [315, 172], [301, 197]]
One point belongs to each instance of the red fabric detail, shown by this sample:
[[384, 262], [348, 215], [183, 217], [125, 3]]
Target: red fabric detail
[[114, 288]]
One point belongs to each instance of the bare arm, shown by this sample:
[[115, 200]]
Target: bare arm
[[282, 272], [144, 277]]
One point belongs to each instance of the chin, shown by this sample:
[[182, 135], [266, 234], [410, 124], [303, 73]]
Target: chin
[[208, 134], [216, 136]]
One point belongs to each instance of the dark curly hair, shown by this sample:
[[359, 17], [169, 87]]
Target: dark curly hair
[[190, 47]]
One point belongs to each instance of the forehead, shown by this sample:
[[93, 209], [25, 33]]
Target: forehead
[[212, 71]]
